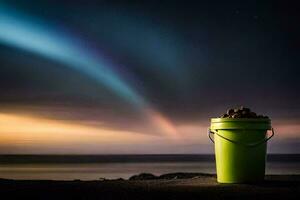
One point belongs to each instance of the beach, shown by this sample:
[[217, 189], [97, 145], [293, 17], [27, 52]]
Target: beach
[[172, 186], [120, 177]]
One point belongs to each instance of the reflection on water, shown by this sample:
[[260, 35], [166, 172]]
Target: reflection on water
[[94, 171]]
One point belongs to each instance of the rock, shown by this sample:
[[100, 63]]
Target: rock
[[230, 112], [241, 112], [224, 116], [143, 176], [244, 112], [235, 115]]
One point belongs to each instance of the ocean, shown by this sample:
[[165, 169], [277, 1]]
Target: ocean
[[95, 167]]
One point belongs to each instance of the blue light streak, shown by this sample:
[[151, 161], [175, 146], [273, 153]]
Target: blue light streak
[[35, 36]]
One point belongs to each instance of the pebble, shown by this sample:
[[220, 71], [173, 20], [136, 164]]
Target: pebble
[[230, 112], [241, 112]]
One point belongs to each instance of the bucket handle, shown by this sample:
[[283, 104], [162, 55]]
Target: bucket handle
[[235, 142]]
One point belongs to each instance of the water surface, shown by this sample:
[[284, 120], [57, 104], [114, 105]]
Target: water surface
[[112, 167]]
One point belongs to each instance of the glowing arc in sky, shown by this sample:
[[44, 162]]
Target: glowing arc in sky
[[20, 31]]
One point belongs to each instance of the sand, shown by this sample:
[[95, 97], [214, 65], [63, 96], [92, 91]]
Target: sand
[[175, 187]]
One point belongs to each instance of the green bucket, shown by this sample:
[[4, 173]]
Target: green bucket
[[240, 148]]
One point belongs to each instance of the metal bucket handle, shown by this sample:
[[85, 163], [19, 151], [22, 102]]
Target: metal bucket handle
[[240, 143]]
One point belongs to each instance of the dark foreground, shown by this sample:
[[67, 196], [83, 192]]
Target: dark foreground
[[176, 186]]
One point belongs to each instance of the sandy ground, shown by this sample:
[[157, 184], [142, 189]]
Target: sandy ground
[[198, 187]]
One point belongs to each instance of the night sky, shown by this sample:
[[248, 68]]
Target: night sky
[[144, 76]]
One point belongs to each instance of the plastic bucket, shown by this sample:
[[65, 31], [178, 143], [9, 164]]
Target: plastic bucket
[[240, 148]]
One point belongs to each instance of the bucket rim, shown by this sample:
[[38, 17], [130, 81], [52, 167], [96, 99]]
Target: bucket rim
[[218, 120], [240, 123]]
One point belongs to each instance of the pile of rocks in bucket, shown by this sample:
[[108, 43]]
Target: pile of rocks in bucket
[[241, 112]]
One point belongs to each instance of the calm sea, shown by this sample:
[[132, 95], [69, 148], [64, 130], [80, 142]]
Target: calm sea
[[122, 166]]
